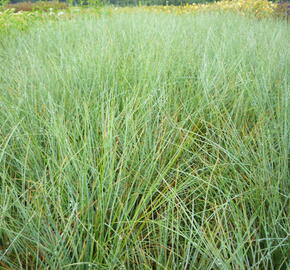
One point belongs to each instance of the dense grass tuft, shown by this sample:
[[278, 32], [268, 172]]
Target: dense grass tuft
[[145, 141]]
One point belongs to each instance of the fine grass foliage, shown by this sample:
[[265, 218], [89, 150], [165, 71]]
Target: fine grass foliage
[[145, 141]]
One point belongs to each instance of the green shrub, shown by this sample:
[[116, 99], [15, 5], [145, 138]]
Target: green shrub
[[10, 21], [3, 2]]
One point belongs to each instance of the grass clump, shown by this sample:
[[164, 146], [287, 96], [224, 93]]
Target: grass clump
[[145, 141]]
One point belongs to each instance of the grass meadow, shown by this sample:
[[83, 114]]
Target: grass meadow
[[145, 141]]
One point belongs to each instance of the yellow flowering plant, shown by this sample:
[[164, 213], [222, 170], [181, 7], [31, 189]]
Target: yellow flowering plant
[[257, 8]]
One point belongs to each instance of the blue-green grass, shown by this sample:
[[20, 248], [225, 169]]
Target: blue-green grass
[[145, 141]]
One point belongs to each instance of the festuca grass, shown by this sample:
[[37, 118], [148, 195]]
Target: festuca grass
[[145, 141]]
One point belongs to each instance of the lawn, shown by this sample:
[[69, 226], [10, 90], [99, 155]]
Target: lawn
[[145, 140]]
